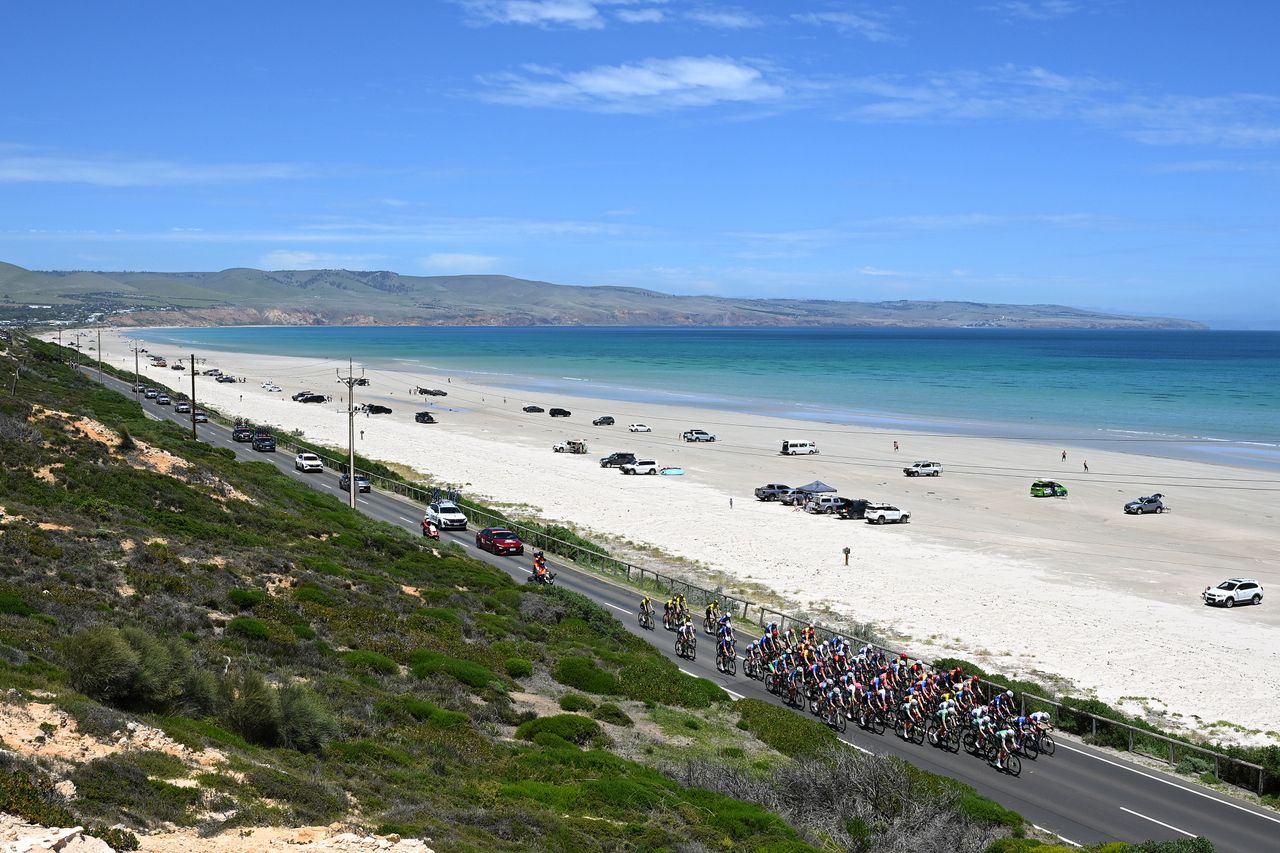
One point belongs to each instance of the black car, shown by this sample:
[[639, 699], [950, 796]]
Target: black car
[[311, 398], [615, 460], [375, 409], [362, 381], [362, 483], [298, 397], [534, 410], [242, 433], [852, 508], [424, 418], [605, 421], [264, 443], [560, 413]]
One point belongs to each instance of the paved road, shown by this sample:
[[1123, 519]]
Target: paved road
[[1080, 794]]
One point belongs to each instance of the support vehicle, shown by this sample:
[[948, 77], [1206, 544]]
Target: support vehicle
[[362, 483], [499, 540], [446, 515], [264, 443], [307, 462], [242, 433]]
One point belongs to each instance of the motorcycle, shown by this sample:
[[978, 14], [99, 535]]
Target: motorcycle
[[431, 531], [545, 579]]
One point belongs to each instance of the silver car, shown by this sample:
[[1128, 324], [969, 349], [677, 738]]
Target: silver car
[[1144, 505]]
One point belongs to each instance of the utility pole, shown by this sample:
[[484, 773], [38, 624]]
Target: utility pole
[[137, 377], [99, 349], [194, 437], [351, 380], [79, 336]]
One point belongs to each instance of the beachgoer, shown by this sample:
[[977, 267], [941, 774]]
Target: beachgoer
[[730, 503], [1064, 456], [362, 435], [895, 447], [1086, 466]]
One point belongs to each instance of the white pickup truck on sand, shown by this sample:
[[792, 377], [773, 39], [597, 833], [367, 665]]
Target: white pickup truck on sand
[[923, 469]]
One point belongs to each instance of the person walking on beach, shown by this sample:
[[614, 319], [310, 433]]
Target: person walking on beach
[[1064, 456], [895, 447], [1086, 466]]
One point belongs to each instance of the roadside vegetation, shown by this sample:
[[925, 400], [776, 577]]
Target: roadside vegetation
[[273, 659]]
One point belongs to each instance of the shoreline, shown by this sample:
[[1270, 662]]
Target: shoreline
[[1105, 601]]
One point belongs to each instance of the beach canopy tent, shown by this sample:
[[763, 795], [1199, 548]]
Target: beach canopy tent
[[817, 487]]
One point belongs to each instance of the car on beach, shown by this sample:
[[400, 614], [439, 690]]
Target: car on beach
[[375, 409], [697, 435], [604, 421], [499, 540], [212, 371], [242, 433], [200, 417], [640, 466], [923, 469], [885, 514], [559, 413], [273, 389], [852, 508], [446, 516], [362, 483], [307, 462], [264, 443], [534, 410], [771, 491], [823, 504], [1235, 591], [163, 400], [424, 418], [638, 428], [298, 397], [1144, 505], [151, 393], [227, 378], [178, 366], [1048, 489], [312, 398], [182, 407], [617, 460]]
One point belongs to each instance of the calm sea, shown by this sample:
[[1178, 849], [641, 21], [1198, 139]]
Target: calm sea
[[1200, 393]]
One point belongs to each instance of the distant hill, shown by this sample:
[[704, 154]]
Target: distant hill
[[344, 297]]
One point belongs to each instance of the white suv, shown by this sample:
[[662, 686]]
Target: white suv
[[697, 435], [446, 516], [882, 513], [640, 466], [824, 504], [307, 462], [923, 469], [1235, 591]]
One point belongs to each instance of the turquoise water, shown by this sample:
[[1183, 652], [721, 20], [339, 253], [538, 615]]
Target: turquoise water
[[1200, 392]]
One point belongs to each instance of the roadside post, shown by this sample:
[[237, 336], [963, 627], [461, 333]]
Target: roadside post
[[846, 555]]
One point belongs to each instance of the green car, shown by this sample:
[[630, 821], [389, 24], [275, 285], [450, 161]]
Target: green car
[[1048, 489]]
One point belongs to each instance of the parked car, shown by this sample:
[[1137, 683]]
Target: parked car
[[307, 462], [638, 428], [178, 366], [162, 400], [226, 378], [771, 492], [182, 407], [640, 466], [151, 393], [1235, 591], [264, 443], [274, 389], [424, 418], [573, 445], [375, 409], [617, 460], [298, 397], [604, 421], [885, 514], [242, 433], [212, 371], [798, 447], [446, 516], [200, 417], [823, 504], [697, 435], [362, 483], [499, 540], [852, 508], [1142, 506], [559, 413], [923, 469], [312, 398], [1048, 489], [534, 410], [791, 497]]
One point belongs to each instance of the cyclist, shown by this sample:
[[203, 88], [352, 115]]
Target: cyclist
[[1002, 705], [726, 648], [646, 607], [685, 631], [1004, 737], [669, 614], [713, 613], [910, 712], [1041, 721], [809, 634], [946, 710]]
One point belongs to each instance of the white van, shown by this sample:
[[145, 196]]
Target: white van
[[792, 447]]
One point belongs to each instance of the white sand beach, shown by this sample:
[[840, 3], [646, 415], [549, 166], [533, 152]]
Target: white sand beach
[[1069, 587]]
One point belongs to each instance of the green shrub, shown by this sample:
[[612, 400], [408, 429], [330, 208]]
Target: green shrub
[[248, 707], [984, 810], [247, 599], [371, 662], [369, 753], [649, 677], [311, 594], [611, 713], [788, 733], [13, 604], [130, 668], [428, 663], [582, 673], [313, 802], [117, 839], [569, 727], [117, 782], [249, 627], [406, 707], [31, 799], [576, 702], [304, 723], [518, 667]]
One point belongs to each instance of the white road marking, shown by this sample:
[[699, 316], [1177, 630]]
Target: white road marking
[[731, 693], [1056, 835], [409, 520], [1170, 783], [1159, 822], [616, 607], [855, 746]]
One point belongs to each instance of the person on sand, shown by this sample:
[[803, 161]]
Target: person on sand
[[895, 447], [1086, 466], [1064, 456]]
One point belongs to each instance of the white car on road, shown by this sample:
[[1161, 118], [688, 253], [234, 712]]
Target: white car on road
[[307, 462], [446, 516], [886, 514], [639, 428]]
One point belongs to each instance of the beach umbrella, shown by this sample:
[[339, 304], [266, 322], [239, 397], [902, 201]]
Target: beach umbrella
[[816, 487]]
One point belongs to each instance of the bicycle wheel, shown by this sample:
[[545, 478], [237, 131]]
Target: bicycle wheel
[[932, 733], [733, 666], [1013, 765], [878, 724], [970, 742], [770, 682], [1029, 748], [917, 734], [1046, 745], [693, 648], [842, 722], [953, 740]]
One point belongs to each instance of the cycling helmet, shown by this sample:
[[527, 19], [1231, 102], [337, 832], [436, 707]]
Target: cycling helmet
[[1009, 693]]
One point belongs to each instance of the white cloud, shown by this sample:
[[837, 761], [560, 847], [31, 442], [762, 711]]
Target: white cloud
[[650, 85], [293, 259], [868, 25], [582, 14], [458, 262], [873, 271], [17, 166], [641, 16], [726, 19], [1036, 10]]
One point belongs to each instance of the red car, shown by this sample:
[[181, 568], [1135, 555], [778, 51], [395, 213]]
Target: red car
[[499, 540]]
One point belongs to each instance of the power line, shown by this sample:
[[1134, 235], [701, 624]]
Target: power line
[[351, 381]]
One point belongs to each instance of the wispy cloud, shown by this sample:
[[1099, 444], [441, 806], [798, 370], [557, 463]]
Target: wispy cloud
[[650, 15], [725, 18], [1036, 10], [582, 14], [881, 227], [293, 259], [1186, 166], [869, 25], [458, 262], [20, 166], [651, 85], [874, 271]]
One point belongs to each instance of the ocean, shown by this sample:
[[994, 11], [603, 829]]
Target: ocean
[[1197, 394]]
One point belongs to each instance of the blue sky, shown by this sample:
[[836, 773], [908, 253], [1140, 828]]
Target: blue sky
[[1117, 155]]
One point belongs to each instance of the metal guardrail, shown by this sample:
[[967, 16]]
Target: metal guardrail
[[1100, 730]]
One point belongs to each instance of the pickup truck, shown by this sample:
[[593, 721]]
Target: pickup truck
[[697, 435], [771, 492], [923, 469], [640, 466]]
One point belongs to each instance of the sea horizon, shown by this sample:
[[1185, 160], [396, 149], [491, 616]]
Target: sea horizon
[[1208, 395]]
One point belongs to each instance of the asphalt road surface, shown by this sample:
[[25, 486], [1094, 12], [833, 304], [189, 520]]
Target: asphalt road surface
[[1080, 794]]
